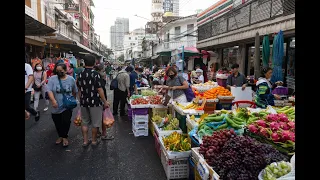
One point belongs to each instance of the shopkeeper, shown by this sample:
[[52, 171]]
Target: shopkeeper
[[236, 79], [264, 97], [176, 84]]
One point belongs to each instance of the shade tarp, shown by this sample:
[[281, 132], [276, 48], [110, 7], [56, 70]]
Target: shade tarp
[[36, 28], [164, 53], [277, 57], [265, 51]]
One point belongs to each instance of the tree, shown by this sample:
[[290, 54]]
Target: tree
[[121, 58]]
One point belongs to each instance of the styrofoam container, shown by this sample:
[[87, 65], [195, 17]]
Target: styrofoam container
[[140, 132], [172, 154], [175, 169], [161, 133], [140, 118], [139, 124]]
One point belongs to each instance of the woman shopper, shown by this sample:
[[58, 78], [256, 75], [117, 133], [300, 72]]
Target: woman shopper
[[264, 97], [176, 85], [71, 72], [60, 115], [40, 79]]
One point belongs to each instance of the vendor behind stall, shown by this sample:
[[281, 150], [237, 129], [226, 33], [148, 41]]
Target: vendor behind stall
[[199, 78], [264, 97], [176, 84], [236, 79]]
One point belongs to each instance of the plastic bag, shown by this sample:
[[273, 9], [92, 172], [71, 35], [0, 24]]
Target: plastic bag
[[108, 118], [77, 121]]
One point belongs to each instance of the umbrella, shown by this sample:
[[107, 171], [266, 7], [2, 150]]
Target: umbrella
[[265, 51], [277, 58]]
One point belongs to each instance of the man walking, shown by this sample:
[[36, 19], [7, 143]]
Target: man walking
[[236, 79], [91, 98], [28, 82], [122, 92]]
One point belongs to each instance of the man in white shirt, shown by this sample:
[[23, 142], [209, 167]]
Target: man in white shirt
[[28, 82], [200, 78]]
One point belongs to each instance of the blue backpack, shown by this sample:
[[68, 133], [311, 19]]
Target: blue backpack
[[114, 83]]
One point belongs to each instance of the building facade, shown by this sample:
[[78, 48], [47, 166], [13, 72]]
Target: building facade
[[113, 37], [171, 6], [121, 28]]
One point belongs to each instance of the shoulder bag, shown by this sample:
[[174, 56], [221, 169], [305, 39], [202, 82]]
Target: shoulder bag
[[69, 102], [188, 92], [34, 86]]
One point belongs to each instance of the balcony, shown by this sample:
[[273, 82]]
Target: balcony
[[254, 14], [30, 12]]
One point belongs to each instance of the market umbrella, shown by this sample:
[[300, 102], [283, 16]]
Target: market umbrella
[[277, 57], [265, 51]]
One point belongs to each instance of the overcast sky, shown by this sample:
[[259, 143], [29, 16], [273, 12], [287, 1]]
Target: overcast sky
[[106, 12]]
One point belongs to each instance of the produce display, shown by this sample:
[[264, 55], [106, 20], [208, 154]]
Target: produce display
[[276, 128], [157, 119], [148, 93], [176, 142], [238, 157], [192, 117], [138, 101], [166, 124], [155, 99], [289, 111], [135, 96], [192, 105], [213, 93], [276, 170]]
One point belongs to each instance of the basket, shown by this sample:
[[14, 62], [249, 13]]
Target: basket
[[175, 169]]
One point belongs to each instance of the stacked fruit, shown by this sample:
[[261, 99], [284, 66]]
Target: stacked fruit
[[176, 142], [155, 99], [191, 105], [289, 111], [214, 93], [157, 119], [140, 100], [170, 123]]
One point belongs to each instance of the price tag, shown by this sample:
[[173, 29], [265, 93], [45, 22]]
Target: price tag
[[203, 170]]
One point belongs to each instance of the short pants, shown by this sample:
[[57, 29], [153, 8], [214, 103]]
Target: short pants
[[92, 116]]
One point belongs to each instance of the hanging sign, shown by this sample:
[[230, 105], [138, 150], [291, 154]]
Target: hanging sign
[[71, 7]]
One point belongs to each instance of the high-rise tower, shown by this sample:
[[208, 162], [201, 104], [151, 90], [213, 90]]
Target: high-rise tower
[[157, 10]]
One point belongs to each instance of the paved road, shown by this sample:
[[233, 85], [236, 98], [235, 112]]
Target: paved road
[[124, 158]]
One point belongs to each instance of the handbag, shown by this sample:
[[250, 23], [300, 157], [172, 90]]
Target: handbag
[[188, 92], [69, 102], [35, 87]]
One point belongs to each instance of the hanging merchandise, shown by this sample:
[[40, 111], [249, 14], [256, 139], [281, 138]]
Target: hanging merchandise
[[265, 51], [277, 57]]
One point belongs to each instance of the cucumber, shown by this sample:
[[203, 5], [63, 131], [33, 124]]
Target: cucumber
[[214, 119], [232, 123], [223, 126]]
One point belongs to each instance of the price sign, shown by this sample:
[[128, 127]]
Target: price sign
[[203, 170]]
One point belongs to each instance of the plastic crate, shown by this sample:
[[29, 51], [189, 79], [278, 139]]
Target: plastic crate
[[160, 133], [175, 169], [140, 132], [139, 124], [140, 111], [182, 121], [191, 169], [173, 154], [140, 118], [157, 145]]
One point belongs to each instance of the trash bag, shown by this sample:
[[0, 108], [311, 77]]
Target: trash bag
[[108, 118], [77, 121]]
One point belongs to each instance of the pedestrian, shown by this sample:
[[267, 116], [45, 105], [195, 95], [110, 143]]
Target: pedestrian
[[134, 77], [26, 115], [39, 86], [71, 71], [79, 69], [61, 85], [28, 82], [108, 72], [177, 85], [91, 98], [122, 92], [236, 79]]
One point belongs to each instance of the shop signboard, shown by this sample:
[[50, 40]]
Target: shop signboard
[[71, 7], [76, 15]]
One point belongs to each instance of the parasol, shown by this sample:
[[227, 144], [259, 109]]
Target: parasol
[[265, 51], [277, 57]]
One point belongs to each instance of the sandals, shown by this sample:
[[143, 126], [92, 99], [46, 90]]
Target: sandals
[[65, 142], [95, 143], [107, 138], [59, 141], [85, 144]]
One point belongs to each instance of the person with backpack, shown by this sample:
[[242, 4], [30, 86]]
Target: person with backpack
[[121, 85], [39, 86]]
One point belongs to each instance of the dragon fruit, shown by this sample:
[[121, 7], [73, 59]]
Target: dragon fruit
[[264, 132], [272, 117], [261, 123], [284, 126], [253, 128], [292, 137], [286, 135], [274, 126], [291, 125], [283, 117], [275, 137]]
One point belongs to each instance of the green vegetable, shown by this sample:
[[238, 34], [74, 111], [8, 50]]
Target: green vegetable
[[212, 115], [233, 124], [214, 119], [239, 119], [237, 122], [223, 126]]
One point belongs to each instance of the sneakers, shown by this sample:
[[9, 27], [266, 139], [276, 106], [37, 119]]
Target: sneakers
[[45, 109], [37, 117]]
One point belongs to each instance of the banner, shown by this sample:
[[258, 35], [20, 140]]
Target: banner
[[71, 7]]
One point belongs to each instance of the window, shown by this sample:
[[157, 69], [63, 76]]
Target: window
[[177, 31], [190, 27]]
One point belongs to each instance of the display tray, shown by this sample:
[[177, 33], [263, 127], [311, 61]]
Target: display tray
[[161, 133], [210, 101], [173, 154], [138, 105], [187, 111], [158, 106]]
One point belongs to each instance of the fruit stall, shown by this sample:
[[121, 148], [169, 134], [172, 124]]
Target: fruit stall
[[210, 138]]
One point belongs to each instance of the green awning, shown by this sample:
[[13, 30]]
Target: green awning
[[164, 53], [188, 53]]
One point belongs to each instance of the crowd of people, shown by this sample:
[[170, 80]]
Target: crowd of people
[[65, 87]]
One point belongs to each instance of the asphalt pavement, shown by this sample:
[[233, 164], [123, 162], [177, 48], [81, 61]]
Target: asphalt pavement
[[123, 158]]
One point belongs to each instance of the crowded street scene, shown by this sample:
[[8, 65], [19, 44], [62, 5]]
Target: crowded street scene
[[160, 89]]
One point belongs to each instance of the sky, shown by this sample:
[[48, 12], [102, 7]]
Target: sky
[[106, 12]]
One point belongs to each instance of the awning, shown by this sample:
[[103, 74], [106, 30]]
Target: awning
[[155, 57], [36, 28], [164, 53]]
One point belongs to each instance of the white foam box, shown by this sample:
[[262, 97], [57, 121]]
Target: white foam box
[[140, 118], [139, 124], [140, 132]]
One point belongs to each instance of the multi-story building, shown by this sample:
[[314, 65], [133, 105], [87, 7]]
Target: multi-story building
[[171, 6], [121, 28], [113, 37]]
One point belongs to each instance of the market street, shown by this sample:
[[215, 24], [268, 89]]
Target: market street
[[125, 157]]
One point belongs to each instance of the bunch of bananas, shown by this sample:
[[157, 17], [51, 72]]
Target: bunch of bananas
[[176, 142], [192, 105], [173, 125]]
